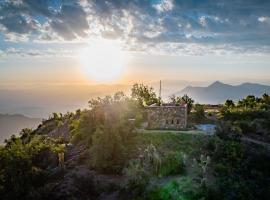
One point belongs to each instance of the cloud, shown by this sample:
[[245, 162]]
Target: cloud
[[202, 20], [164, 6], [143, 24], [264, 19], [67, 20], [35, 53]]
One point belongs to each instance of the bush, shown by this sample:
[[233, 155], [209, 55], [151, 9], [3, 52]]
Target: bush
[[226, 130], [245, 126], [181, 189], [107, 150], [83, 129], [23, 167], [171, 163], [136, 177]]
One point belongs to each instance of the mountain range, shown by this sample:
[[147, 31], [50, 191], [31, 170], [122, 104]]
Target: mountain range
[[13, 123], [219, 92]]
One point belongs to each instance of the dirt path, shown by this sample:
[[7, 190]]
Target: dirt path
[[193, 132]]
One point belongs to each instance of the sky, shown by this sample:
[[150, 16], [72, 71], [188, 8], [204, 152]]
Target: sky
[[80, 41]]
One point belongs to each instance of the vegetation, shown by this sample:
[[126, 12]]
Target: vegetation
[[144, 94], [251, 115], [183, 100], [23, 165], [106, 155]]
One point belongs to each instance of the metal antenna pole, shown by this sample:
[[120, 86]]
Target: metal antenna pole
[[160, 89]]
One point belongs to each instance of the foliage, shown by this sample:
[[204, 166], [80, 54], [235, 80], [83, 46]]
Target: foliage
[[199, 112], [137, 177], [241, 171], [250, 103], [182, 100], [226, 131], [250, 114], [24, 163], [83, 128], [172, 163], [144, 94], [180, 189], [107, 150], [229, 103], [189, 101]]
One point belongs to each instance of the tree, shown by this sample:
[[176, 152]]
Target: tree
[[189, 101], [175, 99], [247, 103], [144, 94], [182, 100], [266, 99], [107, 150], [23, 167], [229, 103], [26, 135], [199, 112], [83, 129], [119, 96]]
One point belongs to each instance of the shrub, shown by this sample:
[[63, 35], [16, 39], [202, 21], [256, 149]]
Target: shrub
[[171, 163], [107, 150], [181, 189], [83, 129], [136, 177], [245, 126], [226, 130]]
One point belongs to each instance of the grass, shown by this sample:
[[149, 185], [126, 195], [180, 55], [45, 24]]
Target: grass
[[181, 189], [183, 141], [173, 147], [176, 149]]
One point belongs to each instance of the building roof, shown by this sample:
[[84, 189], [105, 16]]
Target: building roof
[[168, 105]]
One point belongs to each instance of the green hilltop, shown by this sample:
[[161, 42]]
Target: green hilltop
[[105, 152]]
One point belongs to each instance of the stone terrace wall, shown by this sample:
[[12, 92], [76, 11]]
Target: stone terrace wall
[[167, 117]]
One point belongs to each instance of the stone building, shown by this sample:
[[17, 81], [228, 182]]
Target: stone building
[[167, 116]]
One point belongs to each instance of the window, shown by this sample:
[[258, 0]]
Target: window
[[178, 122], [167, 122], [172, 121]]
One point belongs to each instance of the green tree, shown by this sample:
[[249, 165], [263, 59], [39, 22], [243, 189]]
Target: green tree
[[199, 112], [144, 94], [107, 150], [189, 101], [83, 128], [175, 99], [26, 135], [23, 166], [178, 100], [229, 103]]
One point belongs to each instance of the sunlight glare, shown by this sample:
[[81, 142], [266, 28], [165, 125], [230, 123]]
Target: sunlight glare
[[103, 60]]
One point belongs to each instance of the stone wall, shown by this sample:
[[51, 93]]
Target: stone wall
[[167, 117]]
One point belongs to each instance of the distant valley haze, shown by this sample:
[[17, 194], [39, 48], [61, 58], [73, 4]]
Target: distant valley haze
[[42, 100]]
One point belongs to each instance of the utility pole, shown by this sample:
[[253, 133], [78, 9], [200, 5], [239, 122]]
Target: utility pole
[[160, 89]]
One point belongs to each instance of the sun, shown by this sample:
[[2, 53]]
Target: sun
[[103, 60]]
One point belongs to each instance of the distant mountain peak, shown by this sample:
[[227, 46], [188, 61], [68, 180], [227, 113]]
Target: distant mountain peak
[[217, 84], [219, 92]]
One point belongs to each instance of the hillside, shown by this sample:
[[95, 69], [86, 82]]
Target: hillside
[[12, 124], [100, 153], [219, 92]]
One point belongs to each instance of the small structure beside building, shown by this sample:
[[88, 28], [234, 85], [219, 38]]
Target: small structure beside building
[[167, 116]]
